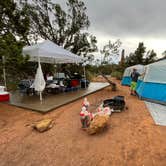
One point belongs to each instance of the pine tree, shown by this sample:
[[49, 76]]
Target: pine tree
[[150, 57], [140, 56], [137, 57], [139, 53]]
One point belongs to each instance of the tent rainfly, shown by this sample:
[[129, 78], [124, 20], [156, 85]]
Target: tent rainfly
[[49, 52], [153, 85], [126, 80]]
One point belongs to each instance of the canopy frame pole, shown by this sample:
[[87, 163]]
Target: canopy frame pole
[[41, 98], [40, 93], [85, 75], [4, 72], [58, 71]]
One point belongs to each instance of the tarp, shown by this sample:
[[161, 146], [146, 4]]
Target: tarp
[[49, 52], [153, 86], [39, 82], [158, 112], [126, 80]]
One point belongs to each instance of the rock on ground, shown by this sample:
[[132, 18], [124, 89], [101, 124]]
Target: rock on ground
[[43, 125], [98, 124]]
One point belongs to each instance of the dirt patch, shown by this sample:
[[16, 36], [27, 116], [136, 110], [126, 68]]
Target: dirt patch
[[2, 123], [132, 137]]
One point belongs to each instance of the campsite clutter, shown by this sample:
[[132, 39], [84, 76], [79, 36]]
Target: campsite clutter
[[97, 121], [49, 52]]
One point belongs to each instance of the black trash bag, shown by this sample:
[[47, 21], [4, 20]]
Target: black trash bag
[[116, 103]]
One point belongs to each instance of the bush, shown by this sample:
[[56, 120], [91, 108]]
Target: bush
[[12, 86], [118, 75], [90, 75]]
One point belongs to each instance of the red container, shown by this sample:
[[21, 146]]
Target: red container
[[4, 97], [75, 83]]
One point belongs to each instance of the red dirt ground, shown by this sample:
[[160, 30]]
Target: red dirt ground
[[132, 138]]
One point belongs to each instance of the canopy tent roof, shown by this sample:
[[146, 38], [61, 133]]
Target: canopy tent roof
[[156, 72], [49, 52], [128, 70]]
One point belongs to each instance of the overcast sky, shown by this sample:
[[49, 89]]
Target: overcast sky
[[131, 21]]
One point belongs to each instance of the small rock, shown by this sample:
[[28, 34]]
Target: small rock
[[43, 125]]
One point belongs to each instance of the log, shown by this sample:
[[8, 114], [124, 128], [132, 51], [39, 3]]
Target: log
[[113, 85]]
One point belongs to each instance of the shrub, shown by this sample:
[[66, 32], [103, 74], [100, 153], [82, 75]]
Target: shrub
[[90, 75], [118, 75]]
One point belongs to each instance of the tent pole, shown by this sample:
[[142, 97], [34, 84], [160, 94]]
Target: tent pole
[[41, 97], [85, 76], [58, 70], [40, 93], [4, 72]]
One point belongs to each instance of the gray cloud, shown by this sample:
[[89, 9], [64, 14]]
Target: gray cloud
[[134, 18], [131, 21]]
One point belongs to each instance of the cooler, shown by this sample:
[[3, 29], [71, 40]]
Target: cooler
[[4, 96]]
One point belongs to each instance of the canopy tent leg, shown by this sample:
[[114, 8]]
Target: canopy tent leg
[[4, 72], [41, 98], [85, 76], [40, 93]]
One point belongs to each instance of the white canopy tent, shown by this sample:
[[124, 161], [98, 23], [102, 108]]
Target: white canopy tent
[[49, 52]]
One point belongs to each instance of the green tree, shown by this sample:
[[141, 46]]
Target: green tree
[[129, 61], [14, 26], [139, 53], [164, 54], [66, 28], [138, 56], [111, 52], [150, 57], [15, 62], [13, 20]]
